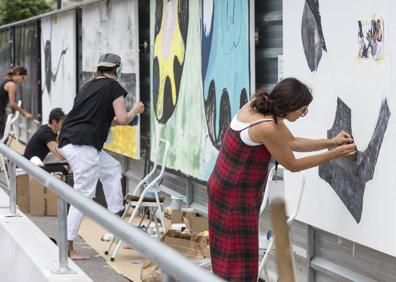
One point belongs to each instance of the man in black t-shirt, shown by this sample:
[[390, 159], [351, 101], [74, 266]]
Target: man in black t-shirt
[[82, 137], [44, 140]]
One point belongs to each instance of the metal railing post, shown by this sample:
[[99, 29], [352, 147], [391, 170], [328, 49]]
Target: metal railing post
[[12, 188], [63, 267]]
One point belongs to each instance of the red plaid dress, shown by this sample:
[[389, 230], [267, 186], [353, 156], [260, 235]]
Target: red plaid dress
[[235, 193]]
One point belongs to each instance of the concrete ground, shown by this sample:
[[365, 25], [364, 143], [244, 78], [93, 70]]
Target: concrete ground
[[95, 267]]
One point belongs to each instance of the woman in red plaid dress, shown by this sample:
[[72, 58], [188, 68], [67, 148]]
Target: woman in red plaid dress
[[236, 185]]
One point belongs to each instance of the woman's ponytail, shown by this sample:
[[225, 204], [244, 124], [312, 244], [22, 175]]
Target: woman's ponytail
[[261, 102], [17, 70], [287, 96]]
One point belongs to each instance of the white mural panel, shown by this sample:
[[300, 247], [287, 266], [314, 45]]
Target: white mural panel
[[58, 62], [344, 53], [112, 27]]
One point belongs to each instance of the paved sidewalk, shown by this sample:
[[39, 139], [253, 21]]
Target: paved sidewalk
[[95, 267]]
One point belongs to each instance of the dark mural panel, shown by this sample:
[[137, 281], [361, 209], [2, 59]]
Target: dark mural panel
[[127, 80], [6, 60], [27, 54], [348, 177]]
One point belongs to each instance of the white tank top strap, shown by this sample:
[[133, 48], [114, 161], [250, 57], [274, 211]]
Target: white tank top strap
[[243, 127]]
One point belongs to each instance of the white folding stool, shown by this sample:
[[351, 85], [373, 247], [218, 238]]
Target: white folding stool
[[137, 200]]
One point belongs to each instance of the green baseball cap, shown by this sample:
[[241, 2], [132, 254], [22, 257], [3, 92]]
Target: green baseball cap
[[109, 60]]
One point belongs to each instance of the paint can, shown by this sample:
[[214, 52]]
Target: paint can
[[175, 203]]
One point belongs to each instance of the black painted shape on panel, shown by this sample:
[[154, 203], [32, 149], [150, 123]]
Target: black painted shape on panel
[[348, 176], [49, 76], [48, 65], [243, 99], [211, 114], [225, 116], [156, 82], [312, 34], [158, 17]]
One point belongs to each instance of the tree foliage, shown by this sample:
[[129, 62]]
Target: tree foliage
[[15, 10]]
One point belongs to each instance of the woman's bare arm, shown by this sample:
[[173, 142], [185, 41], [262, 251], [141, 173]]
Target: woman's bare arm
[[11, 89], [300, 144], [122, 117], [273, 137]]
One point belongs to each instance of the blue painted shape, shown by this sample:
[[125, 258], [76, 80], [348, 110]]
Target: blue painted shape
[[225, 61]]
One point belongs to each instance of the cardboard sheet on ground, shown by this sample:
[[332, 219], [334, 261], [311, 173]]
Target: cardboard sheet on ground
[[128, 261]]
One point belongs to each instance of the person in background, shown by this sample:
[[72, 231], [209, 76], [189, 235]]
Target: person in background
[[99, 105], [236, 185], [45, 139], [8, 92]]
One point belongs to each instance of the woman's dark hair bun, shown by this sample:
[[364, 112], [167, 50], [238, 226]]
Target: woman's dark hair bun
[[262, 101], [287, 96]]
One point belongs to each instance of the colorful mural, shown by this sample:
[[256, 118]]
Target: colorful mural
[[217, 61], [171, 23], [110, 17], [225, 62], [123, 140]]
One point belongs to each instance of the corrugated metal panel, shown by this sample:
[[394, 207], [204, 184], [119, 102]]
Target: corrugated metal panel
[[27, 54], [176, 183], [269, 41], [200, 198], [355, 257], [6, 56]]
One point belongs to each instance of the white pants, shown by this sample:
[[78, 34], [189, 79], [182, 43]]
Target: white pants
[[89, 165]]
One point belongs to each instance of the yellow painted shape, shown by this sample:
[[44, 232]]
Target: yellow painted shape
[[176, 49], [124, 141]]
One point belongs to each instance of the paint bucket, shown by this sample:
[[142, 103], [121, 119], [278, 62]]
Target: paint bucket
[[175, 203]]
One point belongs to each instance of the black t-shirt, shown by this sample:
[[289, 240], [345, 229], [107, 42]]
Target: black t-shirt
[[37, 145], [89, 122]]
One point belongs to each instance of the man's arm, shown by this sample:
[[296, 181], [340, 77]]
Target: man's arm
[[53, 147], [122, 117]]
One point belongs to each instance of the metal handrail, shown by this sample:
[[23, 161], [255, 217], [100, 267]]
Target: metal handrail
[[173, 264]]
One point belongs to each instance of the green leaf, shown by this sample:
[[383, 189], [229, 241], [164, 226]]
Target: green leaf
[[16, 10]]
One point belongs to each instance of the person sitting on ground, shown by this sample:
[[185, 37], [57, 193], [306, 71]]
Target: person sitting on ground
[[44, 141]]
